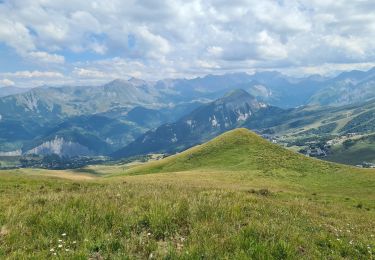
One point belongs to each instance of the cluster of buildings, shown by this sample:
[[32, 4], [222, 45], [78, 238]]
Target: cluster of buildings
[[366, 165], [341, 138]]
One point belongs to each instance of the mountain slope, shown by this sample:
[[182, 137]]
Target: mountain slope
[[317, 121], [355, 151], [54, 103], [347, 88], [92, 135], [237, 150], [200, 125], [7, 91]]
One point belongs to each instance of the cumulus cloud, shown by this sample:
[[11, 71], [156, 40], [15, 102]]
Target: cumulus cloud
[[171, 38], [90, 73], [34, 74], [6, 82], [42, 56], [15, 34]]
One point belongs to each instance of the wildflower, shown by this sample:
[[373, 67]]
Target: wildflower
[[54, 253], [63, 234], [60, 240], [148, 234], [60, 246], [52, 249], [67, 250], [74, 242]]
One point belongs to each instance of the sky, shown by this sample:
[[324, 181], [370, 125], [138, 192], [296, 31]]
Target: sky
[[70, 42]]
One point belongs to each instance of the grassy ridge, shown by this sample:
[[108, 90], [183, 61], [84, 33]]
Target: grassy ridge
[[237, 150], [201, 204]]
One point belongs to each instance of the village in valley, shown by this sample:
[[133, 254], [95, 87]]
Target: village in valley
[[317, 146]]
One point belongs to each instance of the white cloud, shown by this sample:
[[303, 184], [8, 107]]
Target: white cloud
[[269, 47], [184, 38], [156, 44], [15, 34], [6, 82], [42, 56], [34, 74], [216, 51], [90, 73]]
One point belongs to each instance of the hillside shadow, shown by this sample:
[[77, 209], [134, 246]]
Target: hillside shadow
[[87, 171]]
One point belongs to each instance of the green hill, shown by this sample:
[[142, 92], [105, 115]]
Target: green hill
[[236, 150], [243, 155]]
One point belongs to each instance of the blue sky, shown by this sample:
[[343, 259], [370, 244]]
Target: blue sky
[[90, 42]]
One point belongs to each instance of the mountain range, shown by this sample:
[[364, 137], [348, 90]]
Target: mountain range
[[201, 124], [224, 114], [129, 117]]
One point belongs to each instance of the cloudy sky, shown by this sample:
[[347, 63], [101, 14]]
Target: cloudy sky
[[89, 42]]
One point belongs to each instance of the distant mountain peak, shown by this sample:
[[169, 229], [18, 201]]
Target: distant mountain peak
[[240, 97], [208, 120], [137, 81], [116, 83], [268, 73], [125, 83], [237, 93]]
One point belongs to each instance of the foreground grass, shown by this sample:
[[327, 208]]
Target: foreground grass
[[180, 215]]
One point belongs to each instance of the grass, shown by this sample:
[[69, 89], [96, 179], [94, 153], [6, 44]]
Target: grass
[[210, 202], [362, 150]]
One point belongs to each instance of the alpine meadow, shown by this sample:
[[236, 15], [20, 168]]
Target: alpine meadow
[[187, 129]]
